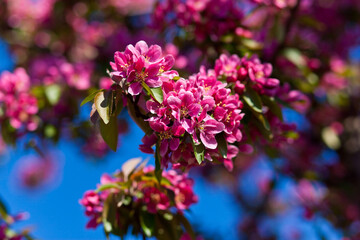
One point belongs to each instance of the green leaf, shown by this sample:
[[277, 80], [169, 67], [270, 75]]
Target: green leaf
[[109, 132], [50, 131], [168, 216], [187, 225], [102, 105], [176, 78], [295, 56], [147, 222], [107, 186], [119, 105], [331, 138], [291, 134], [157, 93], [108, 214], [146, 87], [273, 106], [222, 144], [158, 170], [252, 44], [144, 125], [3, 210], [127, 200], [8, 133], [199, 152], [253, 100], [164, 181], [53, 93], [264, 121], [263, 125], [90, 97], [166, 229]]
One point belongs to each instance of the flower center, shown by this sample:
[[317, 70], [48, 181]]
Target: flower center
[[184, 112], [155, 197], [259, 74], [180, 198], [140, 77], [165, 135]]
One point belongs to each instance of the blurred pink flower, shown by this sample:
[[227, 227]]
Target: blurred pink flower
[[18, 105]]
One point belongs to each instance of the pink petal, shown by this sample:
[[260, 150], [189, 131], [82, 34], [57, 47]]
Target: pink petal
[[267, 69], [214, 127], [157, 126], [168, 62], [92, 223], [154, 53], [153, 70], [142, 47], [177, 129], [164, 147], [120, 59], [174, 102], [187, 98], [229, 165], [208, 140], [153, 82], [194, 109], [139, 65], [174, 144], [135, 88], [132, 52], [219, 113], [188, 124]]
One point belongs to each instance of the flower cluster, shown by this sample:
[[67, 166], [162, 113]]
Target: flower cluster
[[35, 172], [49, 70], [240, 71], [136, 187], [196, 112], [200, 114], [17, 104], [141, 65], [203, 18], [35, 12], [131, 7], [277, 3]]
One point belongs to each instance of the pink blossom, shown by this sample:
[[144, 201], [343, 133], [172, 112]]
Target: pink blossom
[[141, 65], [148, 142], [95, 146], [131, 7], [228, 67], [34, 13], [184, 195], [183, 105], [309, 194], [167, 136], [93, 208], [12, 83], [206, 19], [208, 128], [105, 83], [50, 70], [19, 106], [34, 172], [77, 75], [260, 76], [155, 200]]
